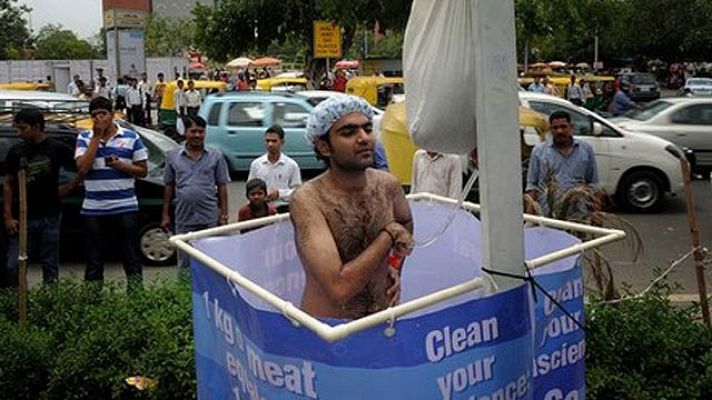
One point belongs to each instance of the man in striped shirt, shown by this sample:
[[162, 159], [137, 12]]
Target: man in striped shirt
[[111, 158]]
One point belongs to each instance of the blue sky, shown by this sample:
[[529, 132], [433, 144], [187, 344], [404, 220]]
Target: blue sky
[[81, 16]]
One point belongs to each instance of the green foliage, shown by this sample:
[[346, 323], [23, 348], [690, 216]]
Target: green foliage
[[647, 349], [14, 32], [56, 43], [83, 342], [168, 37]]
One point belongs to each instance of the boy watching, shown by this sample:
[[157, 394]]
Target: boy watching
[[258, 207]]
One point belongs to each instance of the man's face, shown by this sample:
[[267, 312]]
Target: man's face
[[273, 143], [101, 118], [256, 195], [191, 85], [351, 144], [160, 77], [180, 84], [144, 76], [195, 136], [25, 131], [76, 78], [561, 130]]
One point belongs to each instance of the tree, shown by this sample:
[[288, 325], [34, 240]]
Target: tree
[[14, 32], [168, 37], [56, 43]]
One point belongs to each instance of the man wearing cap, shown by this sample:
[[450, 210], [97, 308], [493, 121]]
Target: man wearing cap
[[110, 158], [350, 219]]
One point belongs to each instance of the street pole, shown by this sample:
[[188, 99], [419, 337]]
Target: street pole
[[22, 254], [498, 140], [698, 255], [526, 56], [595, 51], [117, 47]]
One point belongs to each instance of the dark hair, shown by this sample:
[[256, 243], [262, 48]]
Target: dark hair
[[277, 130], [255, 183], [318, 155], [190, 120], [30, 117], [559, 114], [100, 103]]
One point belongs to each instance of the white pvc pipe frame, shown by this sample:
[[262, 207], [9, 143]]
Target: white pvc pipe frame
[[389, 315]]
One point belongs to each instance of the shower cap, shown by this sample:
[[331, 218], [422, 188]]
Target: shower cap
[[326, 113]]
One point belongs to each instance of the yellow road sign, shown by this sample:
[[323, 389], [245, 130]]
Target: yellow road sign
[[327, 40]]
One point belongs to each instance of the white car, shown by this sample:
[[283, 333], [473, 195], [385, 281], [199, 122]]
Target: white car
[[697, 87], [637, 168], [685, 121]]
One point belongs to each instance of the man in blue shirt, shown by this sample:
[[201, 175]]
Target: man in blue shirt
[[562, 162], [536, 86], [198, 178], [110, 158]]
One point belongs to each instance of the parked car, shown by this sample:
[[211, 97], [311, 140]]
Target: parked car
[[640, 86], [637, 168], [697, 87], [155, 248], [237, 122], [685, 121]]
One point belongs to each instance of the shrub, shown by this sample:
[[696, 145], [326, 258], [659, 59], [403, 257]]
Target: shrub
[[647, 349]]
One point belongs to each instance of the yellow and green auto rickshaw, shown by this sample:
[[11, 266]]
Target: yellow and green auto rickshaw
[[400, 148], [377, 90], [24, 86], [167, 113]]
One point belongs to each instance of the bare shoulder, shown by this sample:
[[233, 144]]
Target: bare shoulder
[[385, 180]]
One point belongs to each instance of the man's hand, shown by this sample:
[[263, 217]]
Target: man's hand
[[403, 245], [12, 226], [166, 223], [113, 162], [394, 291], [273, 195]]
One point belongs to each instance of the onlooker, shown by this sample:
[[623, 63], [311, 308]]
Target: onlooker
[[111, 158], [147, 88], [379, 157], [134, 102], [242, 82], [120, 94], [102, 90], [133, 71], [258, 207], [621, 102], [549, 87], [72, 87], [50, 84], [574, 93], [436, 173], [536, 86], [41, 157], [179, 98], [192, 99], [198, 177], [99, 76], [340, 81], [562, 163], [158, 90], [280, 172]]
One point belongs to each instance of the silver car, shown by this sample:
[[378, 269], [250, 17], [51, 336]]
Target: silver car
[[685, 121], [697, 87]]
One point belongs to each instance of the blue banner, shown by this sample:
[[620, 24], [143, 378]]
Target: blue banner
[[471, 347]]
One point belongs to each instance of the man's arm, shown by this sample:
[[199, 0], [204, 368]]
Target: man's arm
[[533, 173], [168, 191], [591, 168], [295, 180], [222, 203], [11, 224], [401, 207], [137, 169], [86, 153], [320, 256]]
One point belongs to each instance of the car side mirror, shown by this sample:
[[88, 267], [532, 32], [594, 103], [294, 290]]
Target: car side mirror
[[597, 128]]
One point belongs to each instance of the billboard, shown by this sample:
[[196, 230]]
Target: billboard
[[131, 52]]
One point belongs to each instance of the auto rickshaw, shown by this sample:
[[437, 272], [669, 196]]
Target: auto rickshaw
[[291, 84], [377, 90], [24, 86], [167, 113], [400, 148]]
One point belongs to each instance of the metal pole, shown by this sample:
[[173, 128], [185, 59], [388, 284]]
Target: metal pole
[[117, 47], [526, 56], [22, 254], [498, 140], [595, 51], [699, 255]]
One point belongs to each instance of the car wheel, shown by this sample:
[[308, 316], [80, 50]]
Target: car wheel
[[155, 247], [641, 191]]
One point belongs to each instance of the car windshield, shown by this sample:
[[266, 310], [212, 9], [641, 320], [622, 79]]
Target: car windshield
[[649, 110], [643, 78]]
